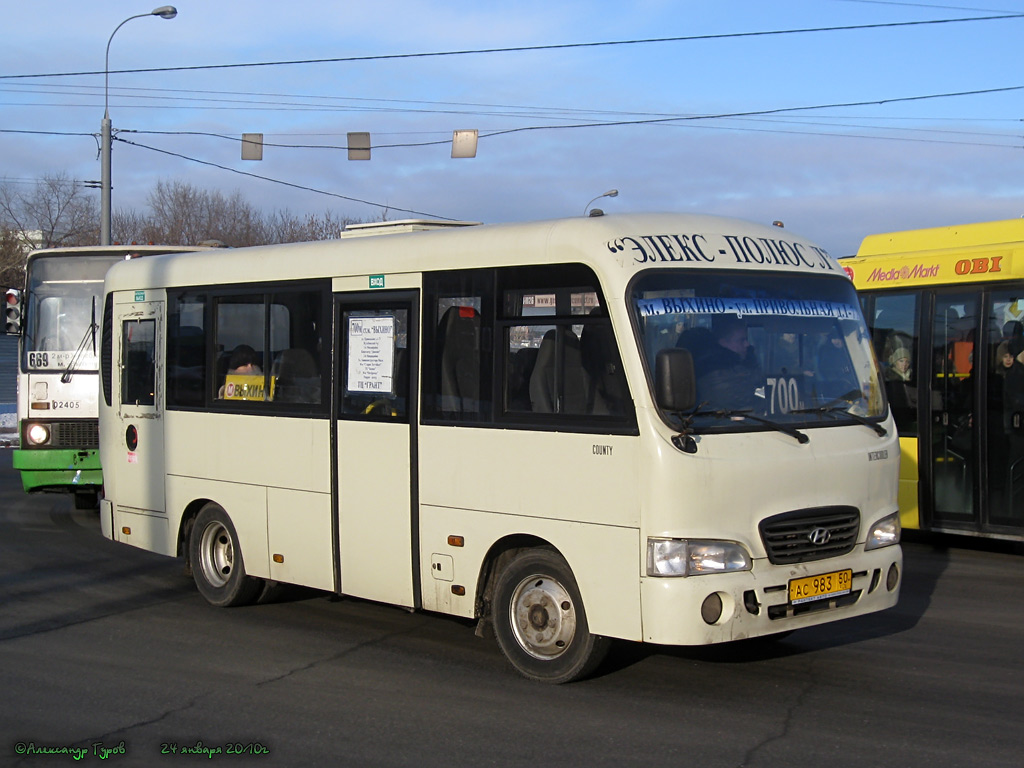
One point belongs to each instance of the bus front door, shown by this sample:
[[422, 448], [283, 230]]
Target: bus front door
[[137, 467], [375, 445]]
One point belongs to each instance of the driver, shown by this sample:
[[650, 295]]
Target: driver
[[727, 371]]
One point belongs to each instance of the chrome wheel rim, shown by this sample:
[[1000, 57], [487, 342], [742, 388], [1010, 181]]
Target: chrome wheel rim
[[543, 617], [216, 554]]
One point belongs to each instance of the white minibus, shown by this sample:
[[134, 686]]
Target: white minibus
[[659, 428]]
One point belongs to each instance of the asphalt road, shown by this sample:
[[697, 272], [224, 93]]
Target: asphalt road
[[111, 650]]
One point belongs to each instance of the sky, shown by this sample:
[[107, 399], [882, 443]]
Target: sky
[[727, 107]]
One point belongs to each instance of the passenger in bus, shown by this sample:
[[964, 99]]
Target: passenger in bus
[[1013, 390], [1004, 359], [727, 370], [1013, 422], [899, 365], [243, 362]]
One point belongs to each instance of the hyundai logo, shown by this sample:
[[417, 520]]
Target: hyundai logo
[[819, 536]]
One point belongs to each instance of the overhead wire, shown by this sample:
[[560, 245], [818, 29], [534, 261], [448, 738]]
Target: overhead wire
[[659, 118], [549, 113], [523, 48], [283, 183]]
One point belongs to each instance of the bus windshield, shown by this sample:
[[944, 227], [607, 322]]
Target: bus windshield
[[791, 349], [62, 303]]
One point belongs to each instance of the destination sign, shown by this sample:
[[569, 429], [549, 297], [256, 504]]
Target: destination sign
[[724, 249], [697, 305]]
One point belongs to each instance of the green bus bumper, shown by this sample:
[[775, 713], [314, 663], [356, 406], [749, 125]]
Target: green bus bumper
[[58, 469]]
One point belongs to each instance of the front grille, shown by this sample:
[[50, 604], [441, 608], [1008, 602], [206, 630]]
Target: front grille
[[810, 534], [80, 433]]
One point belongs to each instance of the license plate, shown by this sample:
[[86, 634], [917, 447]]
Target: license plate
[[820, 587]]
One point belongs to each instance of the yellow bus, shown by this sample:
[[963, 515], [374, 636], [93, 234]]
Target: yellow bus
[[946, 311], [658, 428]]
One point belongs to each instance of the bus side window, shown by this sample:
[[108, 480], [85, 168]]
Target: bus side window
[[538, 339], [186, 350], [561, 357], [296, 320], [138, 372], [458, 318], [458, 337], [239, 349]]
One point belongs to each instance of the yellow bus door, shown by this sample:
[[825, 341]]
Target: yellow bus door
[[954, 430]]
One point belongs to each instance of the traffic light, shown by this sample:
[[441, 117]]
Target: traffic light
[[12, 312]]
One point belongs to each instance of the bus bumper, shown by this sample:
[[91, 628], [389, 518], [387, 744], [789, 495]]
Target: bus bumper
[[700, 610], [58, 469]]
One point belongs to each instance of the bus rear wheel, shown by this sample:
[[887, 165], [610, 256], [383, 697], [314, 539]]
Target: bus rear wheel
[[539, 619], [216, 559]]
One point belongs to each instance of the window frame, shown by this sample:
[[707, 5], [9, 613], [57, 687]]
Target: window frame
[[210, 296], [494, 285]]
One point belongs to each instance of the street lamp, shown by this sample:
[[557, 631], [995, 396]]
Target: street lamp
[[164, 12], [609, 193]]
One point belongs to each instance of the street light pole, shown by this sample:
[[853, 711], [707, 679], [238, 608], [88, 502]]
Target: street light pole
[[164, 12]]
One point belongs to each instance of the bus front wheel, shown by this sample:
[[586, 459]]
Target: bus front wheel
[[540, 622], [216, 560]]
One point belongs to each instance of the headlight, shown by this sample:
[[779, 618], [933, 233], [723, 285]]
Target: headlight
[[884, 533], [685, 557], [37, 434]]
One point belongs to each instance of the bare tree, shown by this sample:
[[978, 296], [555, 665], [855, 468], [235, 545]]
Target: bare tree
[[288, 228], [55, 211], [129, 226], [12, 259], [183, 214], [52, 212]]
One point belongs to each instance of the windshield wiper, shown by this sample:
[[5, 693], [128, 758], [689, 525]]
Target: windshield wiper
[[796, 434], [835, 408], [838, 411], [684, 440], [90, 332]]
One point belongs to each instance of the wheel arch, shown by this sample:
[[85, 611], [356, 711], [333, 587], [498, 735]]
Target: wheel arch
[[188, 519], [498, 556], [604, 565]]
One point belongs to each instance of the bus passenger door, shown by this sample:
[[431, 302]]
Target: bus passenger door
[[375, 437], [137, 474], [954, 443], [1004, 409]]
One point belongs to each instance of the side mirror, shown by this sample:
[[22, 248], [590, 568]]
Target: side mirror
[[675, 383]]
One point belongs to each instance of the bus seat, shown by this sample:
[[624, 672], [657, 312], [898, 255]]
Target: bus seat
[[459, 337], [298, 379], [607, 386], [572, 382], [189, 344], [521, 367]]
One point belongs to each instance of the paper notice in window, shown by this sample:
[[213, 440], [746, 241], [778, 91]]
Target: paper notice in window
[[371, 355]]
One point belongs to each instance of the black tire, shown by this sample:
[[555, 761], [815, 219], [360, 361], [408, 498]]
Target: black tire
[[539, 619], [216, 560]]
